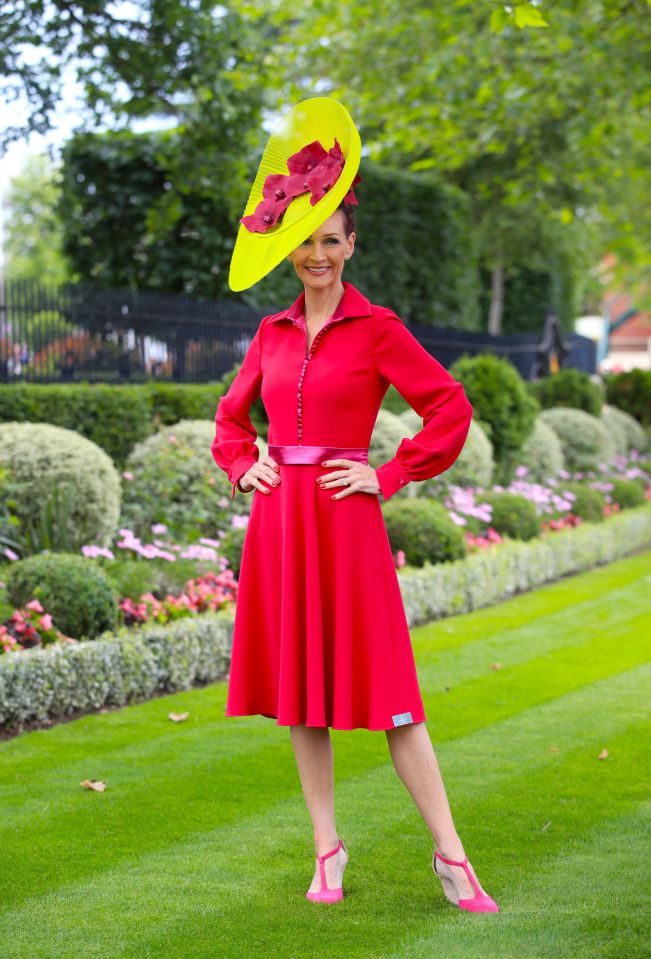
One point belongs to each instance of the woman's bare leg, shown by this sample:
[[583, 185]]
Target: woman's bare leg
[[416, 764], [315, 762]]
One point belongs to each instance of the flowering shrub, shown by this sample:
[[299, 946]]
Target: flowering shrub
[[207, 593], [205, 550], [171, 480], [478, 542], [29, 626], [32, 625], [570, 519]]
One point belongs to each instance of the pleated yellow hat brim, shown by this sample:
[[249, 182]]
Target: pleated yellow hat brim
[[319, 118]]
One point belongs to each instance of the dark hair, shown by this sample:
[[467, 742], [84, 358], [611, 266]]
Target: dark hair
[[349, 219]]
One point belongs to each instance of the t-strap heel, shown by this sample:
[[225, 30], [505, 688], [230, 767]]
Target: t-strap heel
[[480, 902], [325, 894]]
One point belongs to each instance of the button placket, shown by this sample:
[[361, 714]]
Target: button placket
[[308, 355]]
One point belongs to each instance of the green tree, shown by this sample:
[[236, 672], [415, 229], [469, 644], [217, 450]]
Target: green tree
[[33, 246], [190, 65], [530, 122]]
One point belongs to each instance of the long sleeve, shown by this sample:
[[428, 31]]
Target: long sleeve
[[433, 393], [234, 448]]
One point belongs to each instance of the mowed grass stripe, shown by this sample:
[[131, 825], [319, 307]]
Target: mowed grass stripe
[[527, 607], [240, 891], [113, 732], [128, 730], [465, 708], [580, 903], [504, 692], [131, 818], [516, 643]]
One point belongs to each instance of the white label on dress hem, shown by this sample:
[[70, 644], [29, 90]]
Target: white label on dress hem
[[401, 718]]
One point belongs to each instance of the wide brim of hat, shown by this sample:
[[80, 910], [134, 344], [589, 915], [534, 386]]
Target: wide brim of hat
[[319, 118]]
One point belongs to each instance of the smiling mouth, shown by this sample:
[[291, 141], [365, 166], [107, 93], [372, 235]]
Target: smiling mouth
[[317, 270]]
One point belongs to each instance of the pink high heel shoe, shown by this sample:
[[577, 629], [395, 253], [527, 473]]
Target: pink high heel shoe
[[325, 894], [480, 902]]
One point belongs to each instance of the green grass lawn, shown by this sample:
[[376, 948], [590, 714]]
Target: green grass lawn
[[201, 844]]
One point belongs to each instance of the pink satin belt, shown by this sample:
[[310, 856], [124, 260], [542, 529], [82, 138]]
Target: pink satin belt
[[316, 454]]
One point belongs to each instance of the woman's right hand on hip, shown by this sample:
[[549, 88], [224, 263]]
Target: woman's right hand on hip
[[265, 469]]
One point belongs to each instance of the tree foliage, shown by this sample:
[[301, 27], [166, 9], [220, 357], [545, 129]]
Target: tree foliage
[[33, 246], [535, 124]]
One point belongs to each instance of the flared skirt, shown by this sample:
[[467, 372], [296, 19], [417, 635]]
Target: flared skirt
[[320, 634]]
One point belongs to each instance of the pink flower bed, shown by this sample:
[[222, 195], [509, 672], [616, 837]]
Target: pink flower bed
[[28, 627], [32, 625], [205, 593]]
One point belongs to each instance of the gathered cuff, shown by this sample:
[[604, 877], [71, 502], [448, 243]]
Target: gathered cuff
[[391, 477], [237, 470]]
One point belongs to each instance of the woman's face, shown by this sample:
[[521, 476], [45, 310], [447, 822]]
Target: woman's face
[[319, 260]]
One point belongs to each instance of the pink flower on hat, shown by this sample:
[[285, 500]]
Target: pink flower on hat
[[266, 214], [308, 158], [278, 187], [311, 169], [323, 178]]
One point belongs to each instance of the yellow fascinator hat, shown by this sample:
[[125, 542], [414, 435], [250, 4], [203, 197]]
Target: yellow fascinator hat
[[308, 167]]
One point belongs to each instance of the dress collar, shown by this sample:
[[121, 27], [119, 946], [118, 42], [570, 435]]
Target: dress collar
[[352, 303]]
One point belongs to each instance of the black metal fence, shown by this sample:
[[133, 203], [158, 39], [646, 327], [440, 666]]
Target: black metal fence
[[76, 332]]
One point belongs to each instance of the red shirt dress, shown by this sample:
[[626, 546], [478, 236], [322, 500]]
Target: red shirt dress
[[320, 634]]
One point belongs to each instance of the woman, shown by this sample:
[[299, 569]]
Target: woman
[[321, 637]]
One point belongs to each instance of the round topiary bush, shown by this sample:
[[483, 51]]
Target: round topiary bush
[[423, 529], [501, 401], [627, 493], [63, 490], [542, 453], [74, 590], [473, 467], [624, 429], [631, 391], [588, 503], [513, 515], [569, 387], [172, 478], [585, 440]]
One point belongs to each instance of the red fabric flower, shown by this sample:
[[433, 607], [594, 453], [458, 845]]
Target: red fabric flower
[[266, 214], [323, 178], [350, 196], [310, 169], [307, 159], [277, 187]]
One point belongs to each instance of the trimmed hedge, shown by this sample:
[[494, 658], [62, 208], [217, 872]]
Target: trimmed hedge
[[473, 467], [40, 684], [569, 387], [114, 417], [588, 502], [113, 670], [541, 453], [485, 578], [626, 432], [631, 392], [175, 482], [584, 438]]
